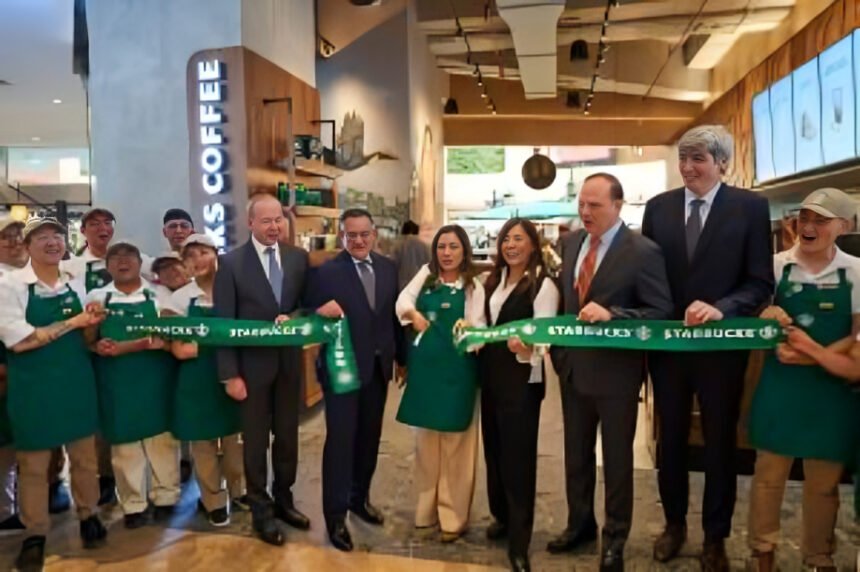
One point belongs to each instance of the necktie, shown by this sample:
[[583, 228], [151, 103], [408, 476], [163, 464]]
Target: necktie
[[276, 276], [694, 227], [586, 271], [368, 281]]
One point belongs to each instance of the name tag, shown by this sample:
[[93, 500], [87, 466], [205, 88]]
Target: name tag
[[826, 306], [446, 305]]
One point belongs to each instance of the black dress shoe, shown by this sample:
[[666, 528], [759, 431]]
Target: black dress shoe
[[269, 530], [107, 490], [163, 513], [519, 563], [58, 498], [135, 520], [93, 532], [339, 536], [571, 539], [714, 558], [368, 513], [668, 545], [497, 530], [612, 560], [32, 555], [293, 517]]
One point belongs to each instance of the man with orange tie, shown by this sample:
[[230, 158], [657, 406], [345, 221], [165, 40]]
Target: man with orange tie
[[608, 273]]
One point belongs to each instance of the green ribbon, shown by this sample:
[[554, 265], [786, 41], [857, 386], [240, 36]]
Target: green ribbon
[[651, 335], [340, 357]]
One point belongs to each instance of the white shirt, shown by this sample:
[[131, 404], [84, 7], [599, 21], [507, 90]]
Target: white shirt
[[264, 255], [829, 276], [118, 297], [77, 265], [704, 208], [180, 300], [545, 305], [473, 313], [605, 242], [7, 268], [15, 294]]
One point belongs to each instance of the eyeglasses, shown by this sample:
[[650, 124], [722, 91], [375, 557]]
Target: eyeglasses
[[353, 236], [179, 225]]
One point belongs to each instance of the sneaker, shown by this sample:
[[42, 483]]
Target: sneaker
[[58, 498], [93, 532], [219, 517], [135, 520], [11, 525], [32, 555], [242, 503]]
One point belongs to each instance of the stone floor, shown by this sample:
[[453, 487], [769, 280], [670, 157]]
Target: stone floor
[[187, 544]]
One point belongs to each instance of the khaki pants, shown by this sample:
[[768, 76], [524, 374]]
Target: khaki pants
[[8, 476], [34, 474], [445, 477], [160, 455], [212, 470], [820, 506]]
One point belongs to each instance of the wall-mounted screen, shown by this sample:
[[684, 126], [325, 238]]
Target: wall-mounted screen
[[763, 136], [783, 127], [806, 99], [838, 136]]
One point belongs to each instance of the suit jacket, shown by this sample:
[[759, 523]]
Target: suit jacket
[[732, 267], [242, 291], [374, 333], [631, 283]]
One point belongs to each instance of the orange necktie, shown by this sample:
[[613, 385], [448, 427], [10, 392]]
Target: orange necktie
[[586, 271]]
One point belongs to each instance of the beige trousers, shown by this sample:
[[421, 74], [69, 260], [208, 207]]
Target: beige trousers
[[820, 506], [445, 477], [134, 462], [8, 475], [34, 474], [212, 470]]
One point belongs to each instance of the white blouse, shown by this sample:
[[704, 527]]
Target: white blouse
[[474, 312]]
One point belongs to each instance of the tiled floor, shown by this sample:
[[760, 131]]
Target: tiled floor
[[188, 544]]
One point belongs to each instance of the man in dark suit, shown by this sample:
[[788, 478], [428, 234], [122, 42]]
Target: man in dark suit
[[263, 280], [361, 285], [716, 241], [608, 273]]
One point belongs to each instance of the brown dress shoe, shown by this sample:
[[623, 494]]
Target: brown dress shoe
[[714, 557], [762, 562], [668, 545]]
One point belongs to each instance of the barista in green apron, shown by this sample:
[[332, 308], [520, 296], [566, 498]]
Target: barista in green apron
[[799, 409], [442, 385], [51, 387], [136, 382], [203, 413]]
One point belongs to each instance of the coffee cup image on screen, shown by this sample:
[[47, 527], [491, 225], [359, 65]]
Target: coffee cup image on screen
[[837, 108], [808, 128]]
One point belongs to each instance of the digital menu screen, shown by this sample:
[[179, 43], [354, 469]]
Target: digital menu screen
[[836, 69], [806, 98], [763, 136], [782, 123]]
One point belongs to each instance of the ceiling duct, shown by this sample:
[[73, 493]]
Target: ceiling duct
[[534, 28]]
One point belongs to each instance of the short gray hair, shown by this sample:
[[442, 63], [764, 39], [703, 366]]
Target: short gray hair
[[715, 138]]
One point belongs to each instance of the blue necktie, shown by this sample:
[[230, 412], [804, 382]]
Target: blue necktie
[[276, 276]]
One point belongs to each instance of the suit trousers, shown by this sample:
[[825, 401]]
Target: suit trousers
[[8, 478], [34, 474], [717, 380], [510, 433], [616, 416], [154, 460], [271, 408], [213, 469], [820, 505], [353, 429]]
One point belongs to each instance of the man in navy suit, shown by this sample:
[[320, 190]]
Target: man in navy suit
[[716, 243], [361, 285]]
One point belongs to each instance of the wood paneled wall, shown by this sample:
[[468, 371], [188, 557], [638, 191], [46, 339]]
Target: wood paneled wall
[[734, 108]]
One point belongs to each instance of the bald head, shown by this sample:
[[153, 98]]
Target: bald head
[[265, 218]]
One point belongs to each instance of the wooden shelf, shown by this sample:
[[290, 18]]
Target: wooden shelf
[[317, 169], [310, 210]]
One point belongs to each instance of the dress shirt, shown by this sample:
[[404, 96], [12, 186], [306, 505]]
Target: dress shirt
[[473, 313], [705, 208], [264, 256], [605, 242], [829, 276]]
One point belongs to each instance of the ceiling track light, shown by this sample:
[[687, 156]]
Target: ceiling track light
[[480, 80]]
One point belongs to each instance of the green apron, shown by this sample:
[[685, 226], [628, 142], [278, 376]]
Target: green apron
[[52, 390], [136, 389], [202, 409], [96, 278], [803, 411], [5, 423], [442, 383]]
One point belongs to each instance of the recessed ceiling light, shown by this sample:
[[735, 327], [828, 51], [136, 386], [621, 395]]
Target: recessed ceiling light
[[35, 138], [58, 101]]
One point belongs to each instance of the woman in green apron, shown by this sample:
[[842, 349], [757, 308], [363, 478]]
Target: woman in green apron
[[799, 409], [203, 413], [51, 386], [442, 384], [136, 384]]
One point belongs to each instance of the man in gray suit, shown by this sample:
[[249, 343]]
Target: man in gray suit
[[265, 280], [608, 273]]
